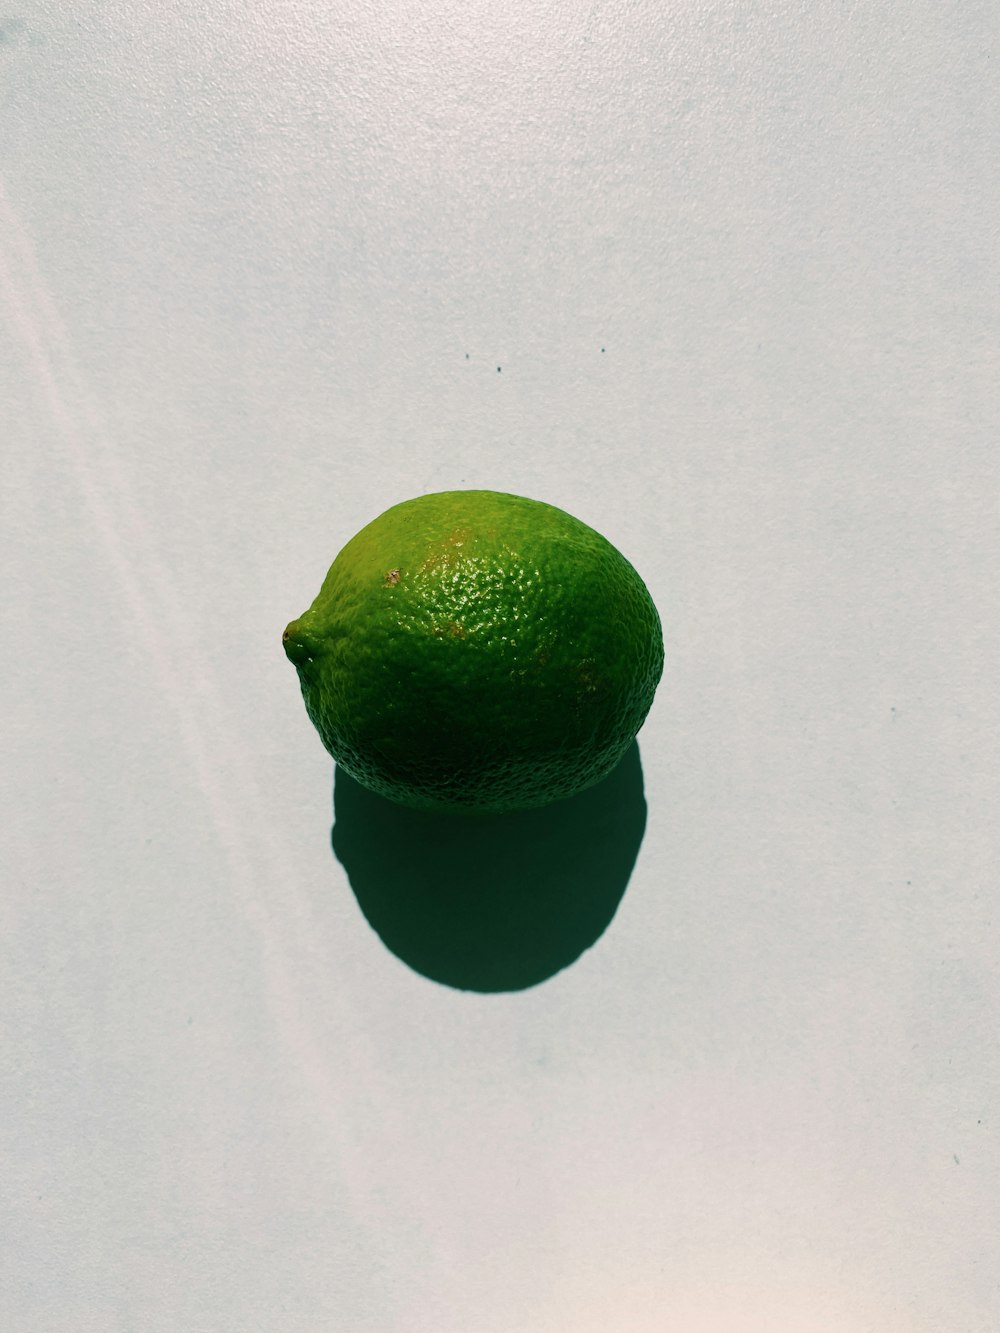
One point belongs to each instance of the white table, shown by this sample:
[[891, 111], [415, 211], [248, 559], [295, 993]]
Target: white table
[[720, 280]]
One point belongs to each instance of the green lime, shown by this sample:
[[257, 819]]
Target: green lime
[[477, 651]]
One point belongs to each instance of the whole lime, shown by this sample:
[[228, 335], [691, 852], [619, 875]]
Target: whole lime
[[478, 651]]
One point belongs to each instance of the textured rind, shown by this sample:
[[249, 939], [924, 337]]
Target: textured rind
[[478, 651]]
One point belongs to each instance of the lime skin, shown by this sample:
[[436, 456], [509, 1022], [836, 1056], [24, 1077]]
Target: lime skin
[[478, 652]]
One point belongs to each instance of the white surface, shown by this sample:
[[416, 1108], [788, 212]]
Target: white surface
[[259, 266]]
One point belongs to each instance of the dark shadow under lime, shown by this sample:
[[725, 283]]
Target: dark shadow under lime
[[498, 902]]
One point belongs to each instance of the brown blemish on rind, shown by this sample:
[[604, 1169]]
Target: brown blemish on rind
[[451, 627], [447, 551], [391, 578]]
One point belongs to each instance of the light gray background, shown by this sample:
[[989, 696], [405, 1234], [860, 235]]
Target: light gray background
[[738, 266]]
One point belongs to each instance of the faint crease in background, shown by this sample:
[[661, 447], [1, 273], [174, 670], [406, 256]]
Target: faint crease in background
[[221, 765]]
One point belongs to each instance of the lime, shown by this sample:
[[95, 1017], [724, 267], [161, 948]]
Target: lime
[[478, 651]]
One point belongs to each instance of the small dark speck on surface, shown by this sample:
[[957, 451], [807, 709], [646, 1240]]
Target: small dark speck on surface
[[467, 356], [498, 370], [602, 349], [957, 1163]]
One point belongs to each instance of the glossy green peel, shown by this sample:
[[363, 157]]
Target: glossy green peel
[[477, 651]]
